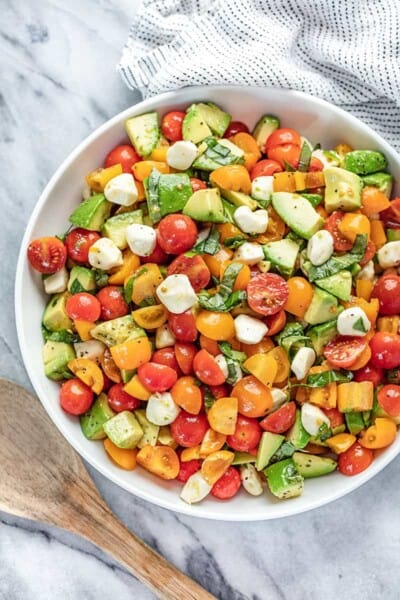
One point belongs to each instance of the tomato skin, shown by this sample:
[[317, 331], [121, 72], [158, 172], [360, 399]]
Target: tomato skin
[[183, 326], [166, 356], [78, 242], [112, 302], [220, 391], [235, 127], [194, 267], [355, 460], [369, 373], [336, 418], [280, 420], [391, 216], [197, 184], [267, 293], [83, 306], [188, 430], [247, 434], [158, 256], [275, 323], [343, 351], [281, 137], [288, 153], [176, 234], [75, 397], [185, 354], [47, 255], [389, 399], [119, 400], [187, 469], [387, 290], [315, 164], [369, 254], [264, 168], [206, 369], [171, 125], [340, 243], [125, 155], [156, 377], [385, 348], [228, 485]]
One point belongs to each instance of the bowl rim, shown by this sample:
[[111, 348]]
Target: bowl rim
[[185, 509]]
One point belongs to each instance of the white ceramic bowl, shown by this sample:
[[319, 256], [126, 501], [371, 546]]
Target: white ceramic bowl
[[315, 119]]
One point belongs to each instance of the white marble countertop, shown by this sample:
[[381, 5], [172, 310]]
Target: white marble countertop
[[58, 83]]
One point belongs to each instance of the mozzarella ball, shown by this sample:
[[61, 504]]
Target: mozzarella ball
[[312, 418], [105, 255], [122, 190], [353, 321], [302, 362], [249, 330], [181, 155], [389, 255], [176, 293], [57, 282], [141, 239], [320, 247], [249, 253], [262, 187], [251, 222], [161, 409]]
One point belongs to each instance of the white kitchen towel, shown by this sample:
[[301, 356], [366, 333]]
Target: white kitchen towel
[[345, 51]]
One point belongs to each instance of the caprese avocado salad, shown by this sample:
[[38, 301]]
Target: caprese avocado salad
[[224, 308]]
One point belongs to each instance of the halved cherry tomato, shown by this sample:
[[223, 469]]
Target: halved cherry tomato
[[119, 400], [389, 399], [340, 243], [176, 234], [283, 136], [369, 373], [355, 460], [369, 253], [219, 391], [78, 242], [160, 460], [187, 469], [286, 154], [187, 395], [124, 155], [391, 216], [385, 348], [109, 367], [206, 369], [343, 351], [83, 306], [76, 397], [156, 377], [188, 430], [267, 293], [265, 168], [236, 127], [183, 326], [228, 485], [47, 255], [300, 296], [171, 125], [387, 290], [275, 323], [254, 397], [197, 184], [280, 420], [194, 267], [247, 435], [216, 325], [335, 417], [158, 256], [315, 165], [112, 302], [166, 356], [185, 354], [379, 435]]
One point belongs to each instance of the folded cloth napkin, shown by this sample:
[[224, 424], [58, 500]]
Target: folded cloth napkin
[[345, 51]]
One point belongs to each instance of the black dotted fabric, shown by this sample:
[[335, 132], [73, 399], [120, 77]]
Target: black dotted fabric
[[345, 51]]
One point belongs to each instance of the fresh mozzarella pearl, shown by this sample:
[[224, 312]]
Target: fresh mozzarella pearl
[[164, 337], [249, 253], [195, 489], [262, 187], [105, 255], [176, 293], [353, 321], [249, 221], [181, 155], [57, 282], [161, 409], [279, 397], [251, 480], [249, 330], [302, 362], [92, 349], [141, 239], [320, 247], [389, 255], [121, 190], [367, 272], [312, 418]]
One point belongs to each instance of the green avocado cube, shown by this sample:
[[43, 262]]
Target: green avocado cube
[[92, 422], [123, 430], [56, 356], [91, 213], [284, 480]]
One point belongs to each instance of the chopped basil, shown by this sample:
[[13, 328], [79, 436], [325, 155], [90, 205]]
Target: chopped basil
[[286, 450], [324, 433], [324, 378], [305, 158], [209, 399], [228, 352], [359, 325], [225, 299], [150, 301], [76, 287], [100, 278], [210, 245], [290, 329], [338, 263], [288, 167], [63, 335]]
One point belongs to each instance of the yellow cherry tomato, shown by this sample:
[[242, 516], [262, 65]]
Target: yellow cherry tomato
[[215, 261], [381, 434], [242, 279], [160, 460], [300, 296], [212, 441], [263, 366], [215, 465], [223, 414], [215, 325], [88, 372]]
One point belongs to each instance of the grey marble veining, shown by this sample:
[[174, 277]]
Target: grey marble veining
[[57, 83]]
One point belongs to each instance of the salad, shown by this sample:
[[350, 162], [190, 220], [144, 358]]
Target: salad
[[224, 308]]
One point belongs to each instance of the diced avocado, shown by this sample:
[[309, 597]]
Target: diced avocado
[[393, 235], [242, 458], [311, 465], [383, 181], [150, 431], [123, 430], [342, 190], [284, 480], [56, 356], [194, 126], [174, 190], [323, 307], [314, 199], [91, 213], [55, 315], [144, 132], [320, 335], [286, 450], [282, 254], [364, 162], [205, 205], [92, 422], [297, 435], [216, 119], [354, 422], [115, 227], [81, 279], [116, 331], [338, 285], [217, 153], [239, 199], [263, 129], [269, 444], [297, 213], [354, 269]]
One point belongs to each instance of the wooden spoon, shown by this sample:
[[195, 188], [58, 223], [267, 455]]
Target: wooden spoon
[[43, 479]]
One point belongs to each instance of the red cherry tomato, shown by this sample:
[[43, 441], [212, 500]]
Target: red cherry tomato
[[78, 242], [187, 469], [264, 168], [247, 434], [335, 417], [112, 302], [389, 399], [158, 256], [387, 290], [340, 243], [156, 377], [183, 326], [119, 400], [220, 391], [47, 255], [185, 354], [171, 125], [287, 154], [316, 165], [194, 267], [355, 460], [236, 127], [83, 306], [176, 234], [275, 323], [369, 253], [267, 293], [188, 430], [228, 485], [197, 184], [391, 216], [206, 369], [124, 155], [369, 373], [75, 397], [343, 351], [281, 137], [385, 348], [280, 420], [166, 356]]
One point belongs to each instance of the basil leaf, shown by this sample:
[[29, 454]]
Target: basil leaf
[[305, 158], [76, 287], [210, 245], [100, 278], [288, 167], [324, 433], [234, 242], [286, 450], [339, 263], [151, 184], [290, 329], [225, 299], [324, 378], [63, 335], [227, 351], [292, 343], [150, 301], [209, 399], [359, 325]]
